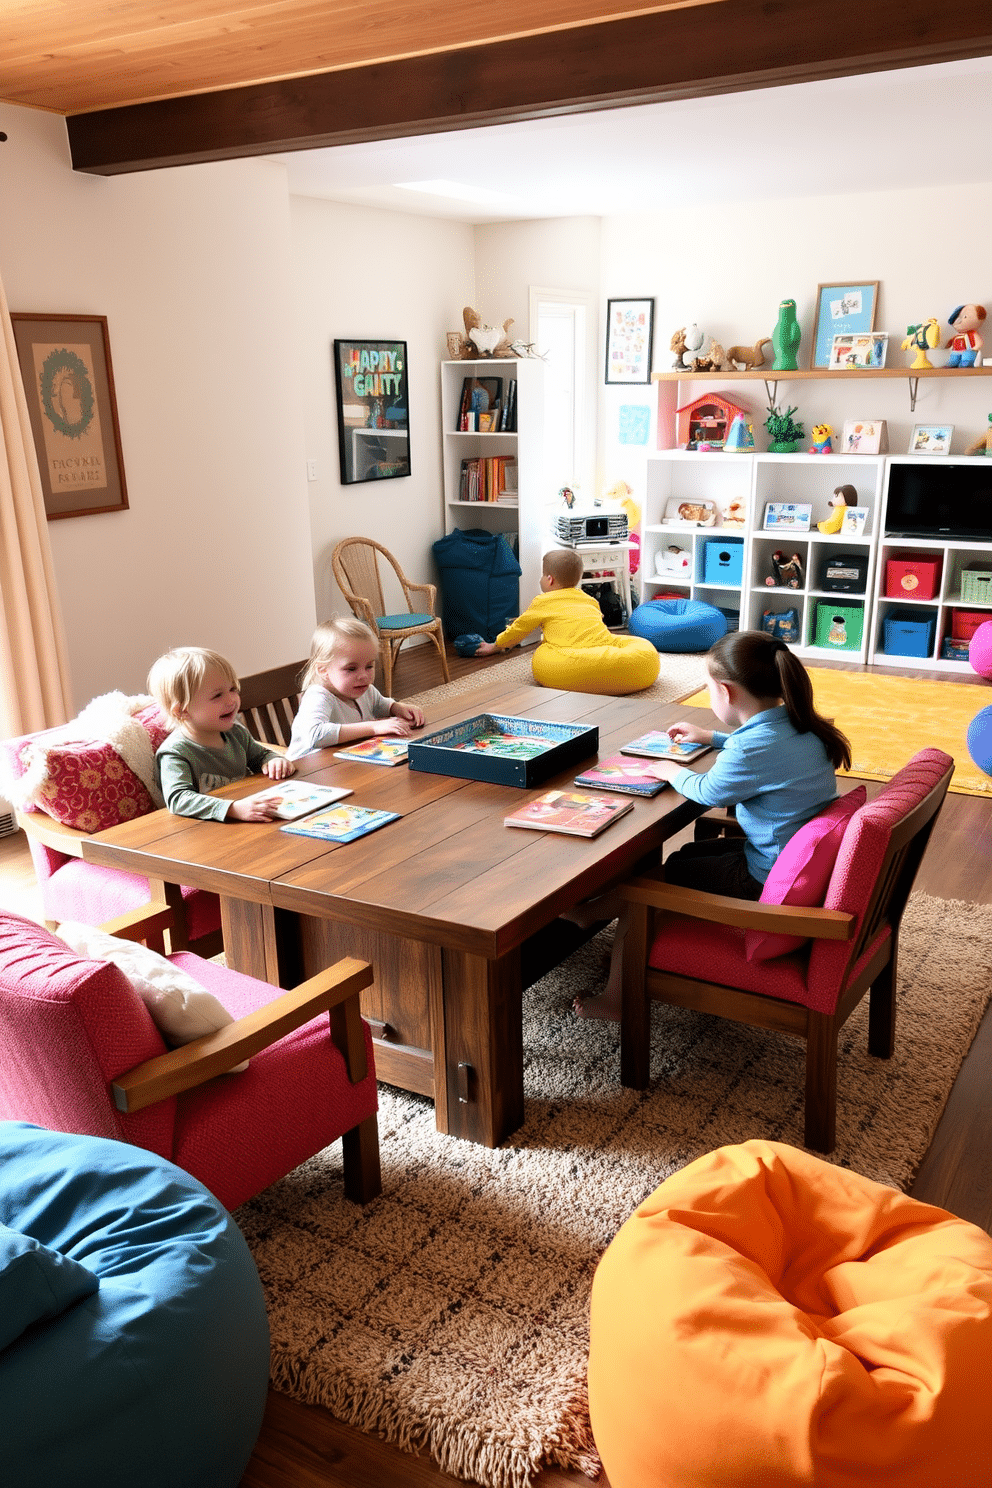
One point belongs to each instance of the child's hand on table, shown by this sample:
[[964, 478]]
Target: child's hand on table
[[278, 767], [689, 733], [410, 713], [252, 810], [392, 725]]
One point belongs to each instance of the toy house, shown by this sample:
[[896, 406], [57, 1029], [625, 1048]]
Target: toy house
[[705, 421]]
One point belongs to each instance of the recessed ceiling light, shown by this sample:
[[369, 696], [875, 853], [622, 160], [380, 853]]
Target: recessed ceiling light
[[460, 191]]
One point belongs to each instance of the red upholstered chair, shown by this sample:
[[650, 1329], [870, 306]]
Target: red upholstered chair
[[81, 1054], [696, 957]]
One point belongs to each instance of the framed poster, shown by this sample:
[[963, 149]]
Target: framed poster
[[373, 416], [931, 439], [842, 309], [788, 516], [629, 336], [69, 383]]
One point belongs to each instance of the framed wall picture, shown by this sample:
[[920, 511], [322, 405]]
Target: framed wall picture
[[931, 439], [629, 338], [864, 437], [69, 382], [858, 349], [842, 309], [373, 414]]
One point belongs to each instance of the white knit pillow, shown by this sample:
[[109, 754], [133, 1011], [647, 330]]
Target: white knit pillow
[[180, 1008]]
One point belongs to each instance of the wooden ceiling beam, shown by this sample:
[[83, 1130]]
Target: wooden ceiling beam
[[726, 46]]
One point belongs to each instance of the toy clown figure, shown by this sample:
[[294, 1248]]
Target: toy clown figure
[[966, 343]]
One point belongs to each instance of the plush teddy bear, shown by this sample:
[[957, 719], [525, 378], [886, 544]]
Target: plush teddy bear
[[965, 343], [479, 340]]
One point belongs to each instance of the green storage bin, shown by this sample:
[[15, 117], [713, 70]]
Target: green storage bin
[[839, 627], [976, 585]]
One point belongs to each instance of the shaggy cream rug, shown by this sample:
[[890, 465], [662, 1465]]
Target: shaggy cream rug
[[451, 1315]]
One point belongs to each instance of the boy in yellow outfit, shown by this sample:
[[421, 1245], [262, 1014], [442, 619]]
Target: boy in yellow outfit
[[577, 652]]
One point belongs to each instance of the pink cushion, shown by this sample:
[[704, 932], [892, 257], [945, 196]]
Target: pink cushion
[[86, 784], [802, 872]]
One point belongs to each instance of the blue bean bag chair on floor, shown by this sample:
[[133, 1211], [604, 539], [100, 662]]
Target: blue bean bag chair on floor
[[678, 624], [133, 1334]]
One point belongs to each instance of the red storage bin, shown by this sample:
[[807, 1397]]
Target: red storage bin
[[964, 623], [912, 578]]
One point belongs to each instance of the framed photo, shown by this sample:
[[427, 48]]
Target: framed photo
[[864, 437], [842, 309], [931, 439], [629, 338], [858, 349], [373, 418], [69, 382], [788, 516], [855, 521]]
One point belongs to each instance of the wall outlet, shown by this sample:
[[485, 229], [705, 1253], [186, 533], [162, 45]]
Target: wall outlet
[[311, 470]]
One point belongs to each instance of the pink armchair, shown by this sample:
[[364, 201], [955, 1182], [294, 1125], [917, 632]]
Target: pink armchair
[[696, 957], [81, 1054]]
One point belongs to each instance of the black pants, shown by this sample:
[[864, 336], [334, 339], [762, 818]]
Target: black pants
[[717, 866]]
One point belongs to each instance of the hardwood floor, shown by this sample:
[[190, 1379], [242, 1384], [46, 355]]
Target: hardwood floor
[[304, 1447]]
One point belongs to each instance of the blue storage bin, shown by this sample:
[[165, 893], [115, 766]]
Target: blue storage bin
[[723, 561], [909, 633]]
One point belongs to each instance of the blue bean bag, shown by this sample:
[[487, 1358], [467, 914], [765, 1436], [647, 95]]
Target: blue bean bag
[[678, 624], [133, 1334]]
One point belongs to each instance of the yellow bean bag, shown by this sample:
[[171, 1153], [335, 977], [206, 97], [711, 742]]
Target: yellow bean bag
[[766, 1319], [625, 664]]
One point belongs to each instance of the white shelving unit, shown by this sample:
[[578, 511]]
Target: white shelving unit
[[954, 555], [676, 477], [525, 522]]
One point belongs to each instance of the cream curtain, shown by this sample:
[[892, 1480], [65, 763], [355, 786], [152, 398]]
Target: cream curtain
[[34, 675]]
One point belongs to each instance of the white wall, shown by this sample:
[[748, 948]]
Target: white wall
[[193, 270], [376, 275]]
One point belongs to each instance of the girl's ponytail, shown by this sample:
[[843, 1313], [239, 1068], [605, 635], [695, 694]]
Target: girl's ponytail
[[766, 668]]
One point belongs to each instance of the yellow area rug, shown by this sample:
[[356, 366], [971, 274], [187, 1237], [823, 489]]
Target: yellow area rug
[[888, 719]]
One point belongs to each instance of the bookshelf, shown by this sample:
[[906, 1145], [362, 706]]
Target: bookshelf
[[522, 520]]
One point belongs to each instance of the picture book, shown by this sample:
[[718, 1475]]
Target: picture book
[[379, 751], [657, 745], [620, 773], [576, 814], [342, 823], [297, 798], [506, 746]]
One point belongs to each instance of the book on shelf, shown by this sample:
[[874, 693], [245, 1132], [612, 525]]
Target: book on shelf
[[658, 745], [571, 812], [508, 414], [376, 751], [484, 477], [621, 773], [480, 396], [295, 798], [341, 823]]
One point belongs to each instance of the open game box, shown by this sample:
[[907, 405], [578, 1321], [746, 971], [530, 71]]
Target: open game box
[[504, 750]]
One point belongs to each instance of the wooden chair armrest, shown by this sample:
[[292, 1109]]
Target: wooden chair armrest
[[430, 590], [54, 834], [362, 608], [193, 1064], [147, 922], [744, 914]]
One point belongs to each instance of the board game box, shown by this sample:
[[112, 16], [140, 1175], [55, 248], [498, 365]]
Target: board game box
[[504, 750]]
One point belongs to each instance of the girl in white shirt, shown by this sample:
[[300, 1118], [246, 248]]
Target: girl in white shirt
[[339, 703]]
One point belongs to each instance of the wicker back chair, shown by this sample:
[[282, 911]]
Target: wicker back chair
[[356, 565]]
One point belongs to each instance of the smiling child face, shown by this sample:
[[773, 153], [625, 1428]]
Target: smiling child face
[[213, 708]]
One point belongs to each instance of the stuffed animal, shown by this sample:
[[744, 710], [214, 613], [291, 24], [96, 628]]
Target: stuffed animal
[[734, 514], [480, 340], [679, 347], [843, 497], [966, 343], [743, 358], [920, 338], [821, 435], [715, 359]]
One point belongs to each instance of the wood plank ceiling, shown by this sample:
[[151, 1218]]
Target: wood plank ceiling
[[148, 84]]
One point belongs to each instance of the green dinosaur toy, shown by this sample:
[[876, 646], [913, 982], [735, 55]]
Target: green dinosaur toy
[[786, 337]]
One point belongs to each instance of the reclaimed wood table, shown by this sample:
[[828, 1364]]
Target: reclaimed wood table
[[440, 901]]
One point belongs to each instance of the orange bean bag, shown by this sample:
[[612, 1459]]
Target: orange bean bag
[[768, 1319]]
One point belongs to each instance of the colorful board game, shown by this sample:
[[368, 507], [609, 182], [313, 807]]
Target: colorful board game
[[504, 750]]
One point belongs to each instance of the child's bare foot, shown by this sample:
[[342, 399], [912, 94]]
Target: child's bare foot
[[604, 1005]]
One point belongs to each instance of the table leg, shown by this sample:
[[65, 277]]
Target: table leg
[[252, 944], [480, 1047]]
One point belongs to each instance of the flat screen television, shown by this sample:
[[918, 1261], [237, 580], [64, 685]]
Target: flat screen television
[[940, 501]]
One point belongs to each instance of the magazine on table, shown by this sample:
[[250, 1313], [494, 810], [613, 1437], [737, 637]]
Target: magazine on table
[[342, 823], [659, 745], [378, 751], [621, 773], [572, 812], [295, 798]]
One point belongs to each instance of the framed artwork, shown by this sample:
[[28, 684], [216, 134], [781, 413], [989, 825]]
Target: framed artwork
[[788, 516], [855, 521], [629, 337], [69, 383], [864, 437], [373, 414], [931, 439], [858, 349], [842, 309]]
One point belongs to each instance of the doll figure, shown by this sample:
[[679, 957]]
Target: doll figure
[[919, 339], [966, 343], [843, 497], [787, 573], [821, 436]]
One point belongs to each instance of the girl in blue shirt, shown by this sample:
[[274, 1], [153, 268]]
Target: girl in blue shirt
[[776, 767]]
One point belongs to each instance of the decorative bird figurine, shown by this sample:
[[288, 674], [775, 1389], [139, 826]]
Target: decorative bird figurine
[[921, 338]]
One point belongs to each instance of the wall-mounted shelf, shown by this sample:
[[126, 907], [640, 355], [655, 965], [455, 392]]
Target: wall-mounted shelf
[[823, 374]]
